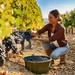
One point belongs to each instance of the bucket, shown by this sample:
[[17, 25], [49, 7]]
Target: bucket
[[37, 64]]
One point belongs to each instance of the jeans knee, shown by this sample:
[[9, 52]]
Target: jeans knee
[[54, 56]]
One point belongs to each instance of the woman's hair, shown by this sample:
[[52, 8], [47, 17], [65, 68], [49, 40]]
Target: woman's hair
[[56, 14]]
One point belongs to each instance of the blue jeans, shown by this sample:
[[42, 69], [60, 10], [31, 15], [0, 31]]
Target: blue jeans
[[56, 52]]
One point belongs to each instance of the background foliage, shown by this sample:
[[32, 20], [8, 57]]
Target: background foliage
[[69, 19], [23, 14]]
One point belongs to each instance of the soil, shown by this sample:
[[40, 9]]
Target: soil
[[16, 65]]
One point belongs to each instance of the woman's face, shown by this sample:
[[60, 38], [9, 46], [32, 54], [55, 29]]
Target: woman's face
[[52, 19]]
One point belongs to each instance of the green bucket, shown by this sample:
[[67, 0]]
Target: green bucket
[[37, 64]]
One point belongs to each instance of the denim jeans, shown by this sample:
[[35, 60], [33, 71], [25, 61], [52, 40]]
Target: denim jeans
[[56, 52]]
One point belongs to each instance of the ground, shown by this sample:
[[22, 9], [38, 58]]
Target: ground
[[16, 65]]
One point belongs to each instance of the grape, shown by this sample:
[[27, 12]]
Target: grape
[[37, 58]]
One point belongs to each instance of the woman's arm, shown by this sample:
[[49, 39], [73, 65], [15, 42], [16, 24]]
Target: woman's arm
[[35, 33], [41, 39]]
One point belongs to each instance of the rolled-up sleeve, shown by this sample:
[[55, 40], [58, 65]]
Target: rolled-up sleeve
[[43, 29]]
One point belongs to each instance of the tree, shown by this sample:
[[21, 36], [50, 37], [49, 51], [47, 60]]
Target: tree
[[69, 20]]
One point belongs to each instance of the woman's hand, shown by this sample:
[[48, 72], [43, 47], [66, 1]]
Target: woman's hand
[[35, 33]]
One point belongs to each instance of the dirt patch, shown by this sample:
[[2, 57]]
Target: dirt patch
[[16, 66]]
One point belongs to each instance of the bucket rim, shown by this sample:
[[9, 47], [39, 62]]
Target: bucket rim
[[38, 61]]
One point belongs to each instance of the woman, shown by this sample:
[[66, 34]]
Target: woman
[[56, 44]]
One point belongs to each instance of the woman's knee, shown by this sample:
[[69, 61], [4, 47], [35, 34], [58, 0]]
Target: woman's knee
[[59, 51], [54, 56]]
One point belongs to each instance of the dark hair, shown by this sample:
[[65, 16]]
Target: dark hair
[[56, 14]]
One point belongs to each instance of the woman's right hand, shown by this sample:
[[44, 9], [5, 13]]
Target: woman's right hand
[[34, 33]]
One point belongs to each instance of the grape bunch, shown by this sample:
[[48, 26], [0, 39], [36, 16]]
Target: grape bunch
[[37, 58]]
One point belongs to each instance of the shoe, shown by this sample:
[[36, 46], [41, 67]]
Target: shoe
[[62, 59]]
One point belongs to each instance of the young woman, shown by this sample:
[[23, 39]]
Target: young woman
[[56, 44]]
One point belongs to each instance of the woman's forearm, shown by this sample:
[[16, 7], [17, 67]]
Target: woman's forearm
[[43, 39]]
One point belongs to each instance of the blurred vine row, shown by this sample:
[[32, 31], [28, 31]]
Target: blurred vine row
[[23, 14]]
